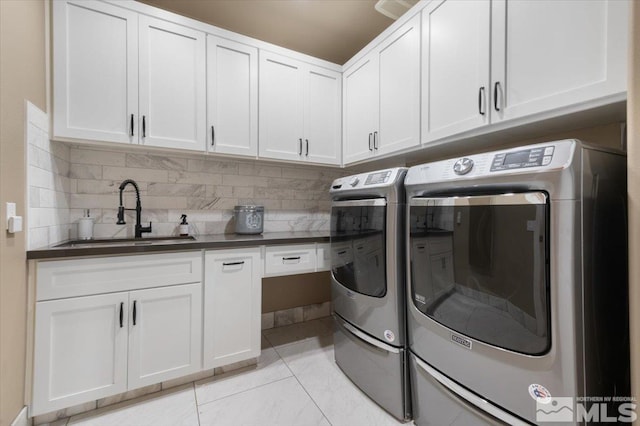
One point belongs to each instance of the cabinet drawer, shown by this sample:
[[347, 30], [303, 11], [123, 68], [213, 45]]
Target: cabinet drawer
[[323, 252], [80, 277], [287, 260]]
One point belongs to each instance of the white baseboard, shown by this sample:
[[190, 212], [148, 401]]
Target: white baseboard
[[21, 419]]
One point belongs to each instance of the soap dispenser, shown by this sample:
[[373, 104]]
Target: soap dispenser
[[184, 226]]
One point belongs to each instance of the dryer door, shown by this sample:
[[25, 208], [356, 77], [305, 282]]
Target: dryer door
[[358, 235]]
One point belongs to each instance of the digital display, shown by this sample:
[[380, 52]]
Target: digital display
[[516, 157], [377, 178]]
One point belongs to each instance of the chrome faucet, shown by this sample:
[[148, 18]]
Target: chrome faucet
[[139, 229]]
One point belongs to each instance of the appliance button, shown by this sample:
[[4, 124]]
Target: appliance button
[[354, 181], [546, 160], [548, 150], [463, 166]]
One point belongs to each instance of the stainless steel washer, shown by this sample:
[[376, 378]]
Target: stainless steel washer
[[517, 285], [368, 286]]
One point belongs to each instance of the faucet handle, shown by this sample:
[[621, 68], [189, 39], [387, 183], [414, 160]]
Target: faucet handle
[[146, 229]]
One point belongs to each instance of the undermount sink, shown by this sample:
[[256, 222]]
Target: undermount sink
[[113, 242]]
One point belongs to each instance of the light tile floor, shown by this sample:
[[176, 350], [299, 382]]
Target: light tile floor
[[296, 382]]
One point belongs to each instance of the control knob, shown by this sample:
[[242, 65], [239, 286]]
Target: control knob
[[354, 181], [463, 166]]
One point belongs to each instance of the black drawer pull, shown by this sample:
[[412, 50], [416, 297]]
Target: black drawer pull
[[370, 134], [213, 136], [481, 101], [291, 258], [342, 252], [144, 126], [233, 263], [121, 313], [134, 312], [131, 124], [495, 95]]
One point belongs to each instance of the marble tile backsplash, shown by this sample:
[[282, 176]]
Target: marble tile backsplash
[[205, 189], [48, 182]]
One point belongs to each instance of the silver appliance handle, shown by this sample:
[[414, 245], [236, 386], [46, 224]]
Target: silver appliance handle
[[506, 199], [355, 203], [469, 397], [370, 340]]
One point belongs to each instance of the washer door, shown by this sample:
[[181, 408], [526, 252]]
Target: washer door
[[479, 266]]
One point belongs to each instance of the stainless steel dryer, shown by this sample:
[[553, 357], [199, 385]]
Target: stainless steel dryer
[[517, 294], [368, 286]]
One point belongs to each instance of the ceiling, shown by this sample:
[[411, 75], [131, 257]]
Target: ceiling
[[333, 30]]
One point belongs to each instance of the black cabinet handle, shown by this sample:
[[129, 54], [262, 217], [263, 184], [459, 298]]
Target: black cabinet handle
[[481, 101], [134, 312], [144, 127], [300, 150], [121, 313], [233, 263], [370, 134], [495, 95], [213, 136], [307, 141], [291, 258], [131, 124], [375, 140]]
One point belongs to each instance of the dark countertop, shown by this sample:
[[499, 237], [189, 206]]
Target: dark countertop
[[224, 241]]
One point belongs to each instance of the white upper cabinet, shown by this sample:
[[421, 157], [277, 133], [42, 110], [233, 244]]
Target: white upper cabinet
[[552, 54], [322, 115], [382, 97], [281, 107], [455, 67], [232, 97], [399, 68], [299, 110], [487, 62], [361, 94], [95, 71], [172, 85]]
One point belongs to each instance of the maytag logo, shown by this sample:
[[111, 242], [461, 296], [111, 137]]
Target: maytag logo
[[461, 341]]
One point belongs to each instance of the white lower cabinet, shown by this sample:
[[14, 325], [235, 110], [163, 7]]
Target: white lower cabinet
[[165, 333], [80, 350], [233, 302], [88, 347]]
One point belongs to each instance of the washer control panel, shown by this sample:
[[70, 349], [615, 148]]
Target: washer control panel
[[378, 178], [463, 166], [534, 157]]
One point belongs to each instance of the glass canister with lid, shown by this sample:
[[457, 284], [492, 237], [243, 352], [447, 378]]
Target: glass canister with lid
[[249, 219]]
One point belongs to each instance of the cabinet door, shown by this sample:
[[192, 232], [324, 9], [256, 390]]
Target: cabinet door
[[455, 67], [361, 101], [400, 89], [552, 54], [80, 351], [322, 115], [95, 71], [232, 300], [165, 332], [281, 107], [172, 85], [232, 97]]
